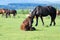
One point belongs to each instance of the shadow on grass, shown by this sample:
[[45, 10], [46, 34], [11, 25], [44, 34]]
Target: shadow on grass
[[47, 26], [1, 34], [42, 28], [38, 30], [51, 26], [0, 25]]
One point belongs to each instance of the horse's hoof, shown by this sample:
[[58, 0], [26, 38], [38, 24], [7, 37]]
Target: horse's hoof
[[47, 26], [53, 25], [50, 24], [35, 25]]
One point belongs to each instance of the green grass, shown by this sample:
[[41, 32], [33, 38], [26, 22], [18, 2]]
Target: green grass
[[10, 29]]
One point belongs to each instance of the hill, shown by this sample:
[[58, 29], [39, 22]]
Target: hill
[[27, 5]]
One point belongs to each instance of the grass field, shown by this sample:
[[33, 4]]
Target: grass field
[[10, 29]]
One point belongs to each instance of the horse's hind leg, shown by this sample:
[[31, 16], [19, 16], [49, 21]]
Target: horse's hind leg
[[36, 21], [7, 15], [53, 20], [54, 23], [2, 14], [14, 15], [42, 20]]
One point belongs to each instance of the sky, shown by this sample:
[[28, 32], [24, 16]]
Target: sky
[[5, 2]]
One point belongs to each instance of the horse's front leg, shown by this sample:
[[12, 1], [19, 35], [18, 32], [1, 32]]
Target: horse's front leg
[[52, 20], [6, 15], [2, 14], [14, 15], [30, 22], [36, 21], [9, 15], [42, 20]]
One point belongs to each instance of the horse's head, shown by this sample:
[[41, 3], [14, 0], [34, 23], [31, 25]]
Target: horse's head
[[5, 10], [2, 11]]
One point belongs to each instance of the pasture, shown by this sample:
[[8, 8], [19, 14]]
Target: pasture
[[10, 29]]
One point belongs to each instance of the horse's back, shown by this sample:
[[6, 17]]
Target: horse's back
[[13, 11], [44, 11], [51, 9], [40, 10]]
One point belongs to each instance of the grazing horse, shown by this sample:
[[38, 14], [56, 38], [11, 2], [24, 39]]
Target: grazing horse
[[8, 12], [25, 25], [14, 12], [2, 11], [41, 12]]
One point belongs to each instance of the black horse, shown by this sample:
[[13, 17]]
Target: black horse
[[41, 12], [8, 12]]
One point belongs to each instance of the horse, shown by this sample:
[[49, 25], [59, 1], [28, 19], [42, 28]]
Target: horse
[[58, 12], [14, 12], [25, 25], [2, 11], [43, 11], [8, 12]]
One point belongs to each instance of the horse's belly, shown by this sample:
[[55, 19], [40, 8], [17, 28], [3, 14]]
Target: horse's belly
[[0, 13], [44, 15]]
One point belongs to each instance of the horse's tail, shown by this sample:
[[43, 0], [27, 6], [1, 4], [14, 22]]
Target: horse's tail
[[15, 11]]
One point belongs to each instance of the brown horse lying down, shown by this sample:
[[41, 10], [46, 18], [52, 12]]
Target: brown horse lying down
[[25, 25]]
